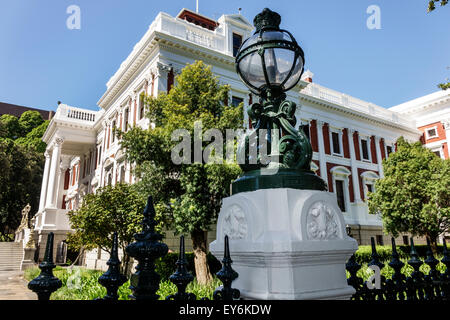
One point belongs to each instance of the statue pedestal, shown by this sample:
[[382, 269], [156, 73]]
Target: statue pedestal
[[28, 258], [286, 244]]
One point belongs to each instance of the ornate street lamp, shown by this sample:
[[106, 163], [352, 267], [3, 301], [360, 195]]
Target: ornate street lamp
[[271, 63]]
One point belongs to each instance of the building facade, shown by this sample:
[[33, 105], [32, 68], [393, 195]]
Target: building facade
[[350, 137]]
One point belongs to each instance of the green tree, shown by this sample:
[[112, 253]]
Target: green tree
[[432, 4], [11, 128], [21, 166], [187, 196], [29, 120], [20, 182], [414, 195], [33, 139], [112, 208]]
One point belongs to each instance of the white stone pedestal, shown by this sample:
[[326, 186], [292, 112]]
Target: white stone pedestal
[[286, 244]]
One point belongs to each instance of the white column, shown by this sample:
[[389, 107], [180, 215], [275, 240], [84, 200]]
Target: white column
[[52, 183], [355, 178], [379, 159], [44, 182], [322, 160], [65, 164]]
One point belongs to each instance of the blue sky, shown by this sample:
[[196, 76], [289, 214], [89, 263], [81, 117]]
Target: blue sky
[[42, 61]]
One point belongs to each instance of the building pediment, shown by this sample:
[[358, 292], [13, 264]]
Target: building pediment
[[239, 20]]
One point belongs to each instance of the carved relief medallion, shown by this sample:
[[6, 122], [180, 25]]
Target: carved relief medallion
[[322, 222], [235, 223]]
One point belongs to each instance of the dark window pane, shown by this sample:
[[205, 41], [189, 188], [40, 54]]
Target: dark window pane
[[340, 194], [125, 120], [335, 139], [432, 133], [141, 106], [389, 150], [369, 187], [365, 149], [379, 240], [235, 101], [237, 41], [305, 129]]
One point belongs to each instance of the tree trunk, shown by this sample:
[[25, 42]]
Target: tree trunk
[[127, 265], [433, 244], [201, 263], [78, 257]]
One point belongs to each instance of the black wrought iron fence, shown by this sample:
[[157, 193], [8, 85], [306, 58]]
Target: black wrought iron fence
[[417, 286], [144, 283], [148, 247]]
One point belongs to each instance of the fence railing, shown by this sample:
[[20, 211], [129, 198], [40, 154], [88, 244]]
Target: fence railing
[[148, 247], [144, 283], [433, 286]]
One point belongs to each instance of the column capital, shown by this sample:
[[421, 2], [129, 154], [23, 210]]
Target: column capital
[[47, 154], [320, 122], [446, 124], [65, 162], [58, 141]]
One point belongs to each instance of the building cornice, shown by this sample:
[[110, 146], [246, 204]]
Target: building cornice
[[358, 114]]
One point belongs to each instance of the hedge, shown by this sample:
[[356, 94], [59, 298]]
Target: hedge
[[166, 266], [364, 253]]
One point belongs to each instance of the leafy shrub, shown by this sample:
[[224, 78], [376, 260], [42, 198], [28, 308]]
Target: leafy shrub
[[364, 253], [82, 284], [166, 266]]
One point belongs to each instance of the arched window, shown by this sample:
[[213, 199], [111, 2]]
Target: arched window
[[369, 178], [340, 182]]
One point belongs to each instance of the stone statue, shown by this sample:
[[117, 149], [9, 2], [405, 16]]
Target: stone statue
[[24, 222]]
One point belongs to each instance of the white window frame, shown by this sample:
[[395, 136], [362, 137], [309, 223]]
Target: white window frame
[[369, 177], [341, 146], [441, 154], [369, 148], [125, 123], [237, 96], [342, 173], [303, 122], [427, 136], [113, 126], [140, 116], [386, 145]]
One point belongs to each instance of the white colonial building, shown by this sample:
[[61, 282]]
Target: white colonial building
[[350, 137]]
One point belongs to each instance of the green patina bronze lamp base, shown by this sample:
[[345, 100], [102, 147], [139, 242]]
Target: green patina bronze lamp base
[[283, 178], [276, 154]]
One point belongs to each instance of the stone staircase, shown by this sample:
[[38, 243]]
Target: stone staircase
[[11, 255]]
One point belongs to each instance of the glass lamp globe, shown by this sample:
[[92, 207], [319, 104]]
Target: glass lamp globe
[[271, 58]]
